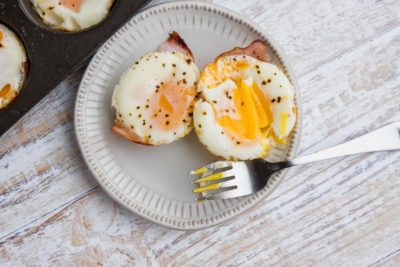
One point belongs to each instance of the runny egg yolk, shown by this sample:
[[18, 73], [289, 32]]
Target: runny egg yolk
[[252, 110], [7, 93], [171, 104], [73, 5]]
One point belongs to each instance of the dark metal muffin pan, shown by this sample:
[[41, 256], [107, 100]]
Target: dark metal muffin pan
[[52, 54]]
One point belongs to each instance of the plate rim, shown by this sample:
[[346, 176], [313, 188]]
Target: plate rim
[[244, 205]]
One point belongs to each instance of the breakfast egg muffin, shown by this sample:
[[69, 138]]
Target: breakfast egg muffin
[[72, 15], [154, 98], [246, 104], [13, 66]]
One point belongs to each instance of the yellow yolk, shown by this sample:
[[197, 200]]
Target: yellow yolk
[[206, 188], [283, 123], [201, 170], [253, 110], [74, 5], [262, 107], [1, 36], [242, 64], [170, 104], [165, 104], [7, 93], [212, 177]]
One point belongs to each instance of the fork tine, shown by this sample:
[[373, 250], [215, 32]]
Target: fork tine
[[207, 188], [219, 185], [198, 171], [210, 172], [212, 176], [215, 167], [214, 192], [202, 182]]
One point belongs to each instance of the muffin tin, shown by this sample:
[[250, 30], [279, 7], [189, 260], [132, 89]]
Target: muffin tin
[[52, 54]]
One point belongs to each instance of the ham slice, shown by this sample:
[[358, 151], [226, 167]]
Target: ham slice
[[176, 44], [121, 130], [257, 49]]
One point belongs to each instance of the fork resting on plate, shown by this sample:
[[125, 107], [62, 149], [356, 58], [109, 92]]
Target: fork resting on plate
[[229, 179]]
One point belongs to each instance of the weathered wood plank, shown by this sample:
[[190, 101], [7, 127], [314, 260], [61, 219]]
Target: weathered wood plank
[[341, 212], [53, 116], [34, 174], [314, 32], [95, 229]]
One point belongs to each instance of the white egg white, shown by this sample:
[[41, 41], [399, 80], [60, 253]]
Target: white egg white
[[61, 17], [12, 60], [132, 97], [217, 86]]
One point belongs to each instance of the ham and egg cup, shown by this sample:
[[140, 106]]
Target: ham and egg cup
[[72, 15], [154, 99], [246, 104], [13, 66]]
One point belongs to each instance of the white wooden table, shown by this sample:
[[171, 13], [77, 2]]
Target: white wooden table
[[342, 212]]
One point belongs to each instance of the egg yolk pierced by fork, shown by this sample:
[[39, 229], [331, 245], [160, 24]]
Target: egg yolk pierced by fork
[[254, 114], [246, 106]]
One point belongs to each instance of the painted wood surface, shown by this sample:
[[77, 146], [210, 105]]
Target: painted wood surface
[[342, 212]]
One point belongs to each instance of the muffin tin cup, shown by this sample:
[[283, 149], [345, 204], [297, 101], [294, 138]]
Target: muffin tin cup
[[52, 54]]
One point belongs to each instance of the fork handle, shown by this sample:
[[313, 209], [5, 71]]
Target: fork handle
[[385, 138]]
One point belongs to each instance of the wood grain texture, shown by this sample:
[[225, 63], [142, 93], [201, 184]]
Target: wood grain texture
[[340, 212]]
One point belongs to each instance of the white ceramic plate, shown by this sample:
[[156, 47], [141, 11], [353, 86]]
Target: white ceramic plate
[[153, 181]]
